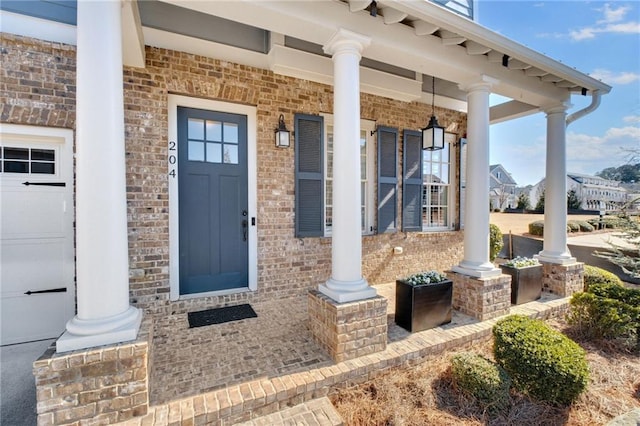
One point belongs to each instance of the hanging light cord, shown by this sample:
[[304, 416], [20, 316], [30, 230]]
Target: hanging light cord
[[433, 95]]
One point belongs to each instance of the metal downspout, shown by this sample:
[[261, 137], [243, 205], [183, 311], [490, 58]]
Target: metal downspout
[[595, 102]]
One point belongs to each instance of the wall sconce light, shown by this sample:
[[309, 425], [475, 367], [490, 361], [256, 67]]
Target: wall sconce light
[[282, 134], [433, 134]]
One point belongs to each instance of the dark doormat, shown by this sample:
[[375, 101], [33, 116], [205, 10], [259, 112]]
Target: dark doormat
[[221, 315]]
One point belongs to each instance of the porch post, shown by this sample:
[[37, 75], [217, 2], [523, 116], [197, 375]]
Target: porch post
[[346, 283], [554, 248], [476, 217], [104, 314]]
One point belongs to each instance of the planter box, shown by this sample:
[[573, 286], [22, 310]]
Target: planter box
[[526, 283], [424, 306]]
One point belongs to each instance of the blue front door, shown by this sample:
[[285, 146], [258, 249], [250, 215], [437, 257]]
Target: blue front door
[[213, 199]]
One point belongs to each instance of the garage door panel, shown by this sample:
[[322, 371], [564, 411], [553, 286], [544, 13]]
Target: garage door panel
[[37, 265], [35, 317], [33, 265], [32, 213]]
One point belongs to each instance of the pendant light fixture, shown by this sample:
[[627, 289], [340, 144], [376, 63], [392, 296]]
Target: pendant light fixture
[[433, 134]]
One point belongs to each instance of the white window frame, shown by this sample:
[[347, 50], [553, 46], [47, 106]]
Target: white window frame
[[368, 127], [450, 139]]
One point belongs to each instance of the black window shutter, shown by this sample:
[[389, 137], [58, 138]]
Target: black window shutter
[[412, 181], [387, 179], [309, 145]]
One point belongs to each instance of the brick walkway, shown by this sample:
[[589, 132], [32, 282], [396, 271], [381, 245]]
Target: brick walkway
[[235, 372]]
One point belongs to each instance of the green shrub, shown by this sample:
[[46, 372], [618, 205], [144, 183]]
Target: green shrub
[[573, 226], [542, 362], [609, 222], [602, 317], [482, 379], [495, 241], [585, 226], [630, 296], [595, 275], [536, 228]]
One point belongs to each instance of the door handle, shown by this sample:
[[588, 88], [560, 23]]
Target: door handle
[[245, 227]]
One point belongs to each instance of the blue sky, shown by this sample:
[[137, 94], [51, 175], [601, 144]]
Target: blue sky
[[598, 38]]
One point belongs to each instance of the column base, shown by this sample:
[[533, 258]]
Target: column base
[[563, 280], [557, 258], [82, 334], [348, 330], [482, 298], [344, 292], [485, 270]]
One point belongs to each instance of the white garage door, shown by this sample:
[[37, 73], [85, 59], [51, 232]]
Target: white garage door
[[36, 254]]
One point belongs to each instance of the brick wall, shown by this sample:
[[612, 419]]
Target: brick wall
[[38, 87]]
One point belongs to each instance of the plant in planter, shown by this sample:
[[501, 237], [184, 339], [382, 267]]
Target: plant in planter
[[423, 301], [526, 279]]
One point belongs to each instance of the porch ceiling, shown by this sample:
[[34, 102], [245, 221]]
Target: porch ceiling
[[412, 40], [419, 36]]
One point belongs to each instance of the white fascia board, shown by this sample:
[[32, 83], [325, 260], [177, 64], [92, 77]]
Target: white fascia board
[[132, 36], [307, 66], [295, 63], [42, 29], [389, 86], [431, 12], [510, 110], [317, 22], [196, 46], [444, 102]]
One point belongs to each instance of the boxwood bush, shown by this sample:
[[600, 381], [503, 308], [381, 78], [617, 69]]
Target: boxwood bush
[[495, 241], [595, 275], [585, 226], [607, 311], [542, 362], [573, 226], [536, 228], [482, 379]]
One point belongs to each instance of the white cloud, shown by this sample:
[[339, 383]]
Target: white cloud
[[631, 119], [611, 23], [590, 154], [611, 77], [613, 15]]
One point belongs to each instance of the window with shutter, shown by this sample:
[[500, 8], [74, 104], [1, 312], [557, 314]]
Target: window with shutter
[[367, 173], [309, 209], [387, 179], [412, 181], [437, 191]]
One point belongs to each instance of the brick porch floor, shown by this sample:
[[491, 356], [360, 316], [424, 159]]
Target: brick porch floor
[[236, 371]]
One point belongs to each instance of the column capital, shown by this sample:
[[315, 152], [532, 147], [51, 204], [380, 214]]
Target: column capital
[[345, 40], [482, 83], [557, 108]]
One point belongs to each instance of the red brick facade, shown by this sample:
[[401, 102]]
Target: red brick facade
[[38, 88]]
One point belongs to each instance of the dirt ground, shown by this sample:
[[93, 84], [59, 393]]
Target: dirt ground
[[518, 223]]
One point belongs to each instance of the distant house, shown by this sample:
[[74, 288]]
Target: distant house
[[594, 192], [502, 188]]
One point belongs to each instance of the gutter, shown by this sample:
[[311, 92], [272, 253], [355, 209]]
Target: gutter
[[595, 102]]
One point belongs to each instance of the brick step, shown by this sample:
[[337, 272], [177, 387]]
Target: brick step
[[317, 412]]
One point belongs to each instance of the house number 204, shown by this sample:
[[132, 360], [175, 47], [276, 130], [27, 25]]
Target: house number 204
[[173, 158]]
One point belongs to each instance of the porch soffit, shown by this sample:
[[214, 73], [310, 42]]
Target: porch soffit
[[429, 40], [412, 40]]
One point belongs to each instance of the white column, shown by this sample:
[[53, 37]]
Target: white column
[[476, 216], [104, 314], [346, 283], [554, 248]]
